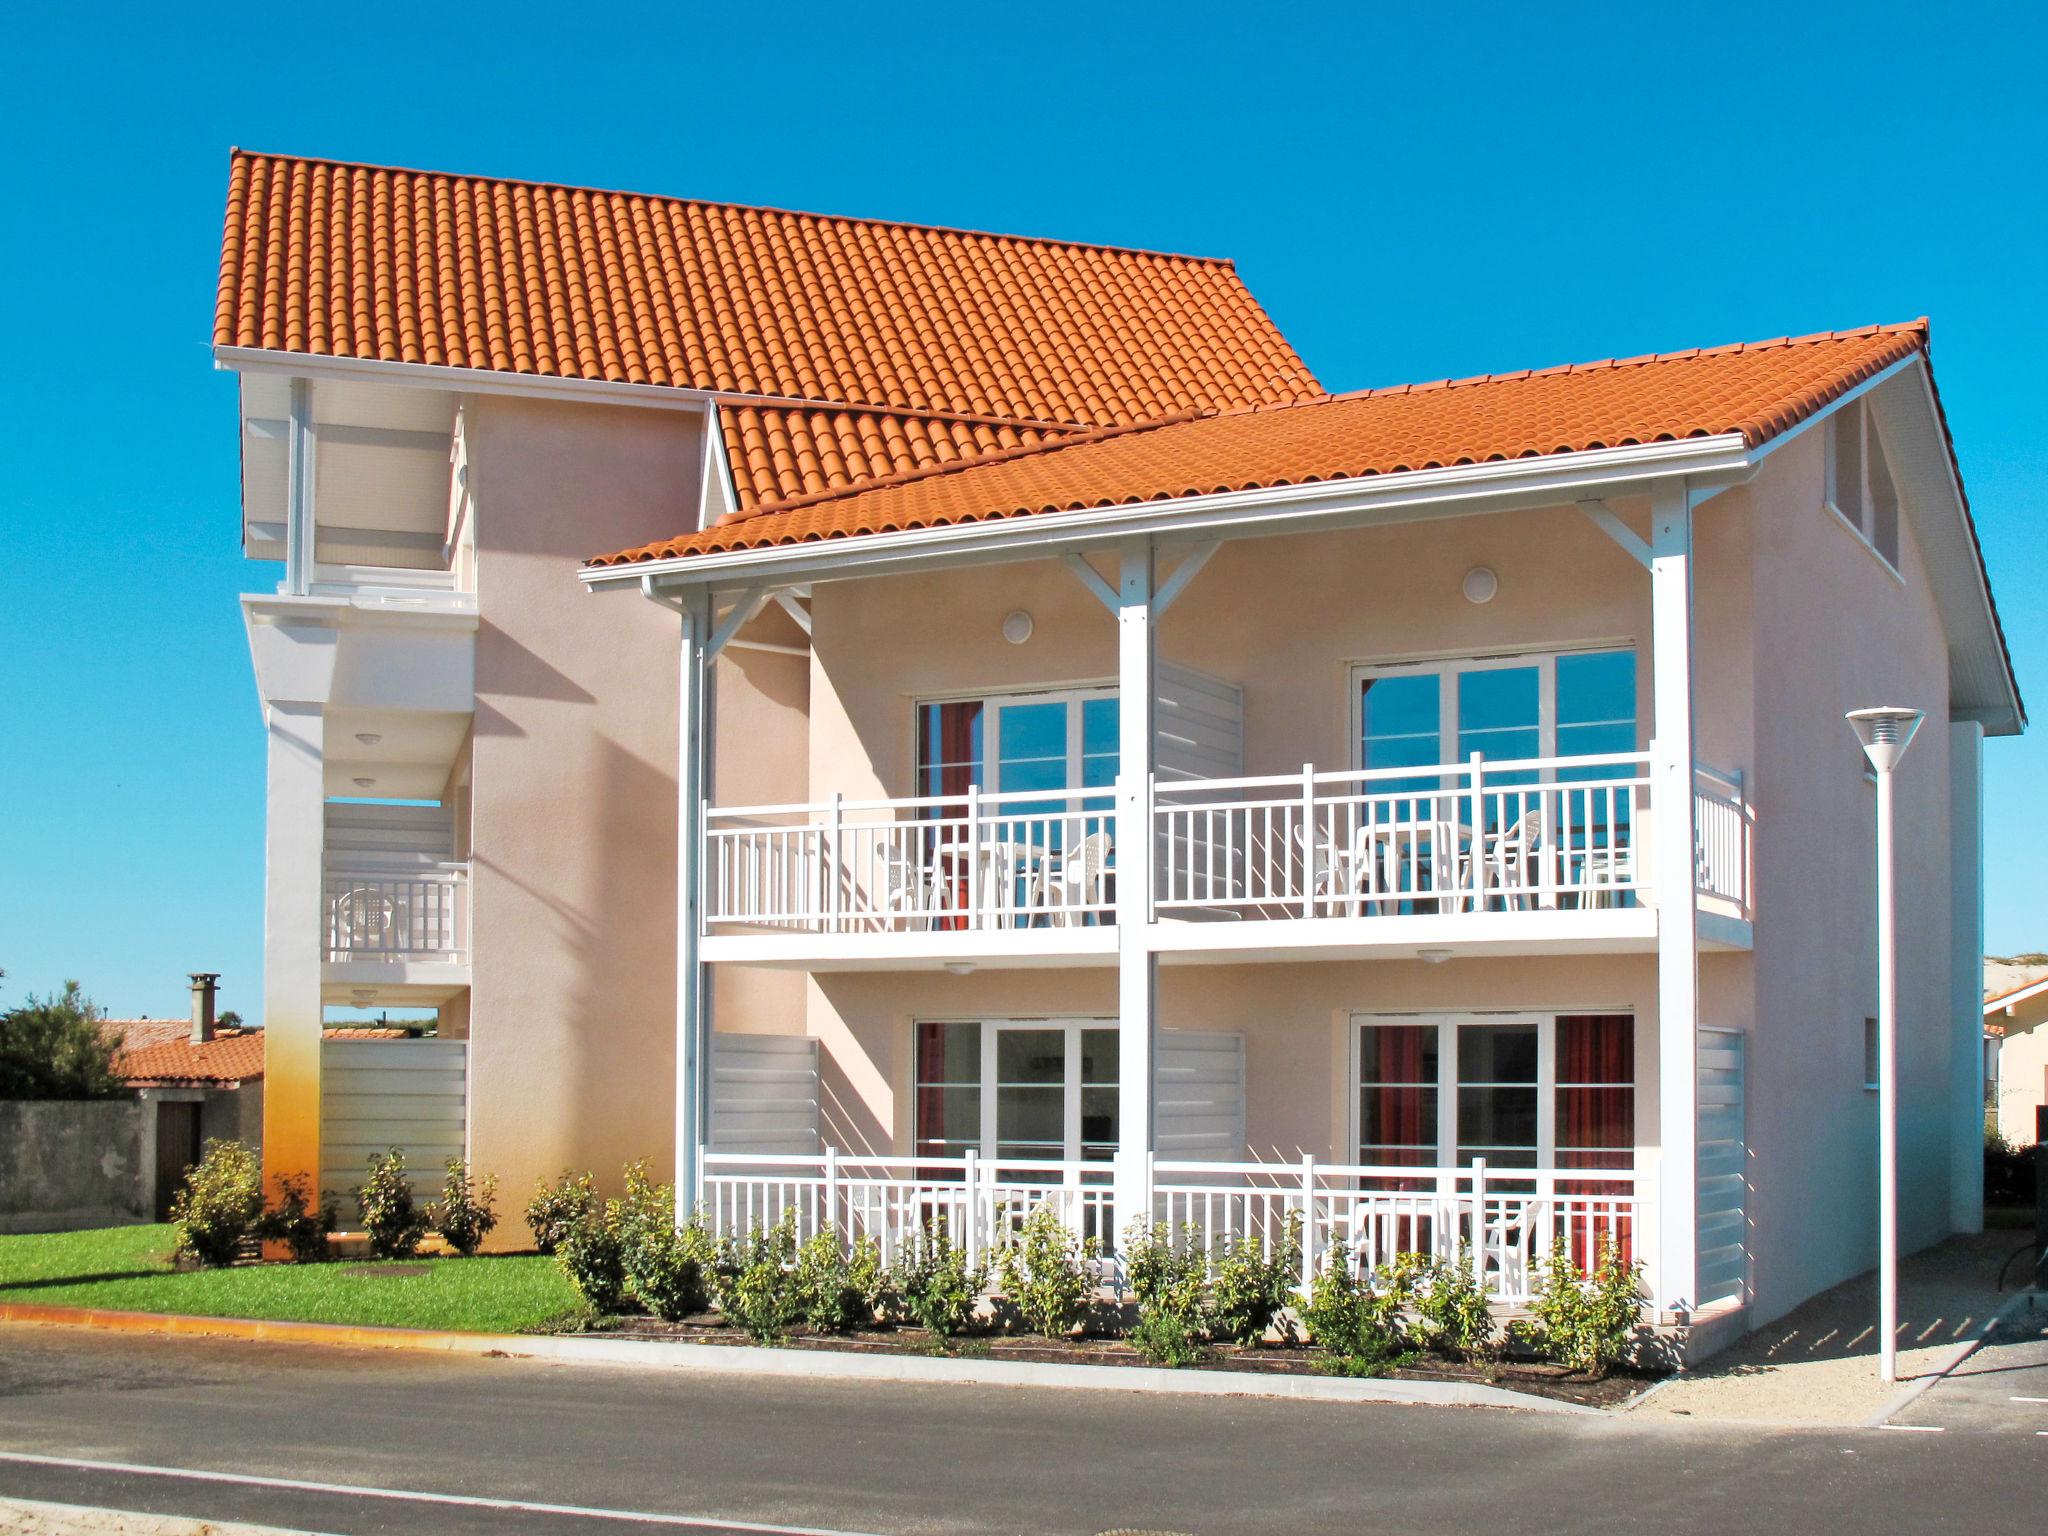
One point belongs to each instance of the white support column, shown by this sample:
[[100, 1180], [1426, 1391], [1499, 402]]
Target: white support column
[[300, 453], [1675, 1276], [693, 980], [1966, 974], [294, 941], [1137, 966]]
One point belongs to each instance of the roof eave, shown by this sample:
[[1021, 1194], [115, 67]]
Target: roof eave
[[1708, 463]]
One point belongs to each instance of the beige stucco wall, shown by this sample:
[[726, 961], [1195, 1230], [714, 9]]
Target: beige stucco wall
[[2022, 1069], [572, 1012], [1284, 618], [1294, 1017], [1836, 630]]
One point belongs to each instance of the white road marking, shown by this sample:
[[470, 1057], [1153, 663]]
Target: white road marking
[[2028, 1399], [466, 1501], [1916, 1429]]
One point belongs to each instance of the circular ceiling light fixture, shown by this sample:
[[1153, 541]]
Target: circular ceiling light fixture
[[1432, 956], [363, 783], [1481, 584], [368, 738], [959, 967], [1017, 626]]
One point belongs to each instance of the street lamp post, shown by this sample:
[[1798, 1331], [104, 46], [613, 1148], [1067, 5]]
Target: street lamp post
[[1885, 734]]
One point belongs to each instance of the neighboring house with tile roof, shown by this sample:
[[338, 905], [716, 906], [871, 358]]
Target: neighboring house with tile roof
[[2015, 1009], [202, 1081], [1070, 756]]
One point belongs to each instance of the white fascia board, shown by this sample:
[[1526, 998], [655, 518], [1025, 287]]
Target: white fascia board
[[478, 381], [1998, 1005], [1457, 491]]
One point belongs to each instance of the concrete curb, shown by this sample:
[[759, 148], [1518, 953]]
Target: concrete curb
[[1912, 1392], [752, 1360]]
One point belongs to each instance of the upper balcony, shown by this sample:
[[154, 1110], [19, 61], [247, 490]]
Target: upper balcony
[[394, 903], [1513, 856]]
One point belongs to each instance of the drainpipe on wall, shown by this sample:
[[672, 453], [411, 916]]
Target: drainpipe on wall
[[205, 988]]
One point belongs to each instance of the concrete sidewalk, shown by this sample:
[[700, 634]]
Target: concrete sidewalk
[[1818, 1364], [31, 1517]]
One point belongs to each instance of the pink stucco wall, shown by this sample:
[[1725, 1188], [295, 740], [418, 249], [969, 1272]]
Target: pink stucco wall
[[572, 1011]]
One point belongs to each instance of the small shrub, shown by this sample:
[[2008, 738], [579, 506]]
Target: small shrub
[[592, 1253], [466, 1211], [757, 1288], [1355, 1327], [668, 1267], [295, 1222], [218, 1204], [934, 1284], [1587, 1322], [554, 1210], [1047, 1273], [1166, 1276], [1446, 1304], [837, 1289], [1252, 1289], [394, 1221]]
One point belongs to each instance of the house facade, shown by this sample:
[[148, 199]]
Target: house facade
[[906, 722], [2016, 1055]]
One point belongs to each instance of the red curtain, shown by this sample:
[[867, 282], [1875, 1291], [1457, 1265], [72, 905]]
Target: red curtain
[[1596, 1126], [1399, 1106], [947, 751], [931, 1072], [948, 758], [1398, 1111]]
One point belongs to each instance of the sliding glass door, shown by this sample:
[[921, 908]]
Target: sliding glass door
[[1521, 1091], [1022, 1090]]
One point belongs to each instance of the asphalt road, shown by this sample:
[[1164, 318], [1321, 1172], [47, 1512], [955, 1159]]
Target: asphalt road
[[2002, 1389], [738, 1454]]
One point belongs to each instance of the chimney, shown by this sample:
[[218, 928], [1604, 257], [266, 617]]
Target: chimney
[[204, 985]]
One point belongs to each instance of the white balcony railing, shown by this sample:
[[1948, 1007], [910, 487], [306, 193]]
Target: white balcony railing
[[1512, 835], [1528, 835], [1721, 824], [1503, 1221], [973, 861], [378, 915]]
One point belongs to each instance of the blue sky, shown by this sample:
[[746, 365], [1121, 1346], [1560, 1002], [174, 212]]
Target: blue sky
[[1460, 191]]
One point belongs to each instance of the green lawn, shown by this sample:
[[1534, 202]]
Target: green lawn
[[128, 1269]]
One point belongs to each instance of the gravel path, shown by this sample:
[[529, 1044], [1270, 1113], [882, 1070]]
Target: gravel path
[[1818, 1363]]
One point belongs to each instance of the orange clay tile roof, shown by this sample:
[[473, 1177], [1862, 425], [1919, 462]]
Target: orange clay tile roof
[[161, 1053], [340, 260], [779, 453], [1757, 390]]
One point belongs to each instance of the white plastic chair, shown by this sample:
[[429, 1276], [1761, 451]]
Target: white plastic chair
[[1513, 863], [913, 890], [1080, 880], [362, 920]]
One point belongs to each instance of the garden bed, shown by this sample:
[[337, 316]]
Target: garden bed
[[1536, 1377]]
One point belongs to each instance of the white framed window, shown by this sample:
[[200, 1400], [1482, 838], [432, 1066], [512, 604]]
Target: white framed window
[[1859, 486], [1579, 703], [1055, 739], [1037, 1090], [1537, 1091]]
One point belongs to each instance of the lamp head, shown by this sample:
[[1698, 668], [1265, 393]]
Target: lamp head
[[1885, 732]]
